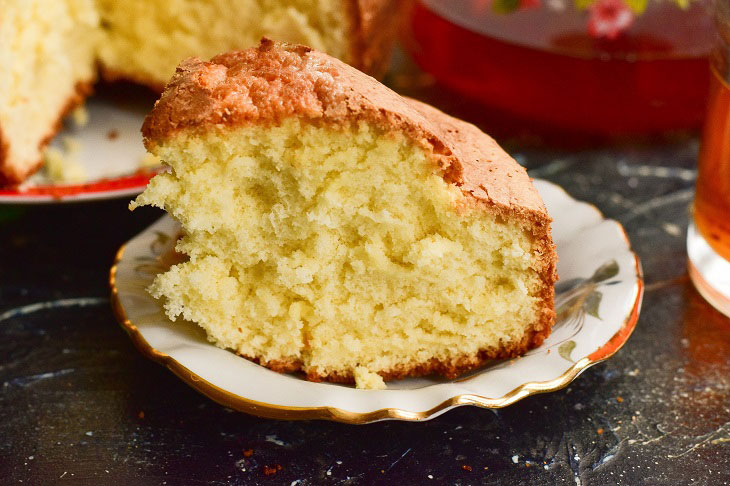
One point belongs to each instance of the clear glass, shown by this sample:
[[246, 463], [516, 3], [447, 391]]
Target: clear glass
[[708, 238]]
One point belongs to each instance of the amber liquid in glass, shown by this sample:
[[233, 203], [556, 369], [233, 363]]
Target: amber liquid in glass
[[712, 202]]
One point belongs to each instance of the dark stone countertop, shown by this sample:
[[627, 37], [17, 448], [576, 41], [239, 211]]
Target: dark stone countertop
[[78, 403]]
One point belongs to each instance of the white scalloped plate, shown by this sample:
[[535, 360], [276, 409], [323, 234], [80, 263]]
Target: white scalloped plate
[[597, 300]]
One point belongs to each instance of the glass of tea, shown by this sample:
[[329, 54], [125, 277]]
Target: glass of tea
[[708, 238]]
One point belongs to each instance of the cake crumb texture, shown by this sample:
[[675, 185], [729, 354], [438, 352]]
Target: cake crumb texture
[[336, 248], [144, 40]]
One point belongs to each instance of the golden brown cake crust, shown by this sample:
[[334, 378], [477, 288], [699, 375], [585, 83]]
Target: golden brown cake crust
[[274, 81], [11, 176]]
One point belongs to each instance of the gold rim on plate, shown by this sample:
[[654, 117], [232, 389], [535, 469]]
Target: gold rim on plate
[[268, 410]]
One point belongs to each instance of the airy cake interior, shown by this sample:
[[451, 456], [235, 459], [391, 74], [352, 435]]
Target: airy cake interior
[[340, 250]]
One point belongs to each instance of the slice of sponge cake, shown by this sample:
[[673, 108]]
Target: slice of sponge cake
[[337, 228]]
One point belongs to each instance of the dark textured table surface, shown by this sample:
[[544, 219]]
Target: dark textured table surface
[[78, 403]]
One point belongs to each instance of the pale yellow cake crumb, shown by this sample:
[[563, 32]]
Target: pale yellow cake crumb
[[63, 166], [80, 116], [368, 380], [338, 249], [146, 39]]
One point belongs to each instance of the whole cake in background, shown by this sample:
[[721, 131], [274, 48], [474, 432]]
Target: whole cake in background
[[334, 227], [50, 49]]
